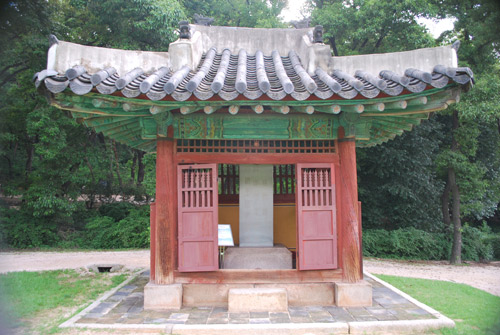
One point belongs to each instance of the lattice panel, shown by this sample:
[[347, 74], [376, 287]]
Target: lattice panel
[[257, 146], [316, 187], [284, 183], [229, 182], [197, 190]]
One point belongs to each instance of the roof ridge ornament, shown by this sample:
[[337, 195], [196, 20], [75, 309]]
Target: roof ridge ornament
[[53, 40], [318, 34], [203, 20], [184, 32]]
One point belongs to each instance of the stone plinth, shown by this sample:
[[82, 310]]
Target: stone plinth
[[353, 294], [278, 257], [195, 295], [162, 296], [306, 294], [257, 300]]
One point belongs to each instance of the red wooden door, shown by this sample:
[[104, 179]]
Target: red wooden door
[[316, 217], [198, 217]]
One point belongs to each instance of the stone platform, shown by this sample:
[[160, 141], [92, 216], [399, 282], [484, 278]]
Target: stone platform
[[277, 257], [392, 312]]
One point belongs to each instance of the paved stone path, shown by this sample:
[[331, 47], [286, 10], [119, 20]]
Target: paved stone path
[[126, 307]]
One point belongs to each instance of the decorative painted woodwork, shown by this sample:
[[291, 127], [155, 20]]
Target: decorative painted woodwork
[[316, 217], [255, 119], [198, 217], [222, 126], [256, 146]]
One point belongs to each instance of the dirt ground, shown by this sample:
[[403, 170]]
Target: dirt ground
[[483, 276]]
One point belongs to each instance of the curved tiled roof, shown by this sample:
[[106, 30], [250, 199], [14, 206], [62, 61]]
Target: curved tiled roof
[[229, 76]]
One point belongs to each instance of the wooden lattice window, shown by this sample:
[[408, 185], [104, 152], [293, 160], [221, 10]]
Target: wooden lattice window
[[229, 184], [256, 146], [284, 183], [283, 189]]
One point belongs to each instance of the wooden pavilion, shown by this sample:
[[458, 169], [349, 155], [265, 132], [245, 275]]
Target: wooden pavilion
[[223, 101]]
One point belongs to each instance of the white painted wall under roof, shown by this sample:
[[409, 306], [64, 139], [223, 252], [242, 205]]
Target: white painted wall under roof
[[251, 39], [398, 62], [65, 55], [267, 40]]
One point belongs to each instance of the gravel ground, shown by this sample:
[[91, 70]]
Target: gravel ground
[[483, 276]]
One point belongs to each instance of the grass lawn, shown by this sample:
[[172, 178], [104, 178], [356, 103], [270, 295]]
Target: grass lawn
[[475, 312], [37, 302]]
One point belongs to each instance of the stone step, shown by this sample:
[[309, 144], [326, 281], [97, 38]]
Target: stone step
[[304, 294], [257, 300]]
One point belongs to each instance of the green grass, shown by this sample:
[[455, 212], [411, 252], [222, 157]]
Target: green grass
[[475, 312], [40, 299]]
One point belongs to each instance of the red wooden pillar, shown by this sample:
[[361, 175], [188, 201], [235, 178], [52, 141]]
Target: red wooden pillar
[[166, 203], [152, 242], [351, 252]]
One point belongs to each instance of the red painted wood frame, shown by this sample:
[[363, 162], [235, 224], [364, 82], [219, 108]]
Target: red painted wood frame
[[258, 276], [198, 217], [316, 217], [152, 241]]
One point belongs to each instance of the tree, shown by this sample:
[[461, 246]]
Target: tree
[[239, 13], [465, 156], [371, 26], [398, 183], [47, 158], [470, 177]]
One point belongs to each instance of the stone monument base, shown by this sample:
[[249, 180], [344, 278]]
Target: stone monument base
[[277, 257]]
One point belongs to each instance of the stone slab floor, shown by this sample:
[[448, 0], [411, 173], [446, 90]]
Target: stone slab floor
[[126, 307]]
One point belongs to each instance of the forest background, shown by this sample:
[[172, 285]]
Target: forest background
[[432, 193]]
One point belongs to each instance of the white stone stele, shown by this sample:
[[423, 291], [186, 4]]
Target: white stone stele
[[162, 297], [353, 294], [271, 258], [256, 206], [257, 300]]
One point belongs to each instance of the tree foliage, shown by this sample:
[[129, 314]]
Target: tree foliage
[[454, 169], [371, 26], [239, 13], [49, 161]]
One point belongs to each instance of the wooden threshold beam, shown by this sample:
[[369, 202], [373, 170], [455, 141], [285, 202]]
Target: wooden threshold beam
[[257, 276]]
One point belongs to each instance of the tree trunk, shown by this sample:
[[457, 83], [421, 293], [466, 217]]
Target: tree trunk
[[117, 165], [30, 151], [140, 172], [456, 252], [132, 168], [445, 206]]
